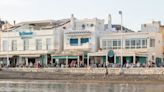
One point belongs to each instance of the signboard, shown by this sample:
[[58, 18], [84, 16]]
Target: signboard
[[110, 53], [26, 34]]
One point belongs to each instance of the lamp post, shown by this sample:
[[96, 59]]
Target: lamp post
[[120, 12], [8, 62]]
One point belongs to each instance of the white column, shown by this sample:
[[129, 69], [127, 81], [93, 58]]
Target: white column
[[134, 59], [115, 59], [87, 60], [26, 59], [106, 59], [46, 59], [20, 60], [79, 41], [78, 61], [51, 60], [66, 61]]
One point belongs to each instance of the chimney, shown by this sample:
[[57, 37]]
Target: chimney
[[109, 21], [72, 21]]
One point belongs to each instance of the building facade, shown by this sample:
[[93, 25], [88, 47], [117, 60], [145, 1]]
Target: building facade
[[80, 37], [74, 43], [136, 47], [30, 42]]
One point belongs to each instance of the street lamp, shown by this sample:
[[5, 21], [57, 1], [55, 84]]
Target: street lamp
[[120, 12], [8, 62]]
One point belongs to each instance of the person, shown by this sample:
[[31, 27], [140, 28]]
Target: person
[[106, 72], [138, 64], [31, 65]]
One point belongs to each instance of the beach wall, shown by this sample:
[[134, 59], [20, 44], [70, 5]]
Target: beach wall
[[110, 71]]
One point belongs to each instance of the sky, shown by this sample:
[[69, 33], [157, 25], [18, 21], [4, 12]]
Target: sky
[[135, 12]]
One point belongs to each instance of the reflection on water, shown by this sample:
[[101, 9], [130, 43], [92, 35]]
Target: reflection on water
[[53, 86]]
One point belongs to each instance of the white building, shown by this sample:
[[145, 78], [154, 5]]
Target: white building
[[83, 35], [80, 36], [151, 27], [137, 47], [30, 42]]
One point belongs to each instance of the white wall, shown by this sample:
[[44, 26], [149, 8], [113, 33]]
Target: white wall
[[37, 34]]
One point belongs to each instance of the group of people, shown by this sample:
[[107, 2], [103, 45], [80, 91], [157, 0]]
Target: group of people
[[81, 64]]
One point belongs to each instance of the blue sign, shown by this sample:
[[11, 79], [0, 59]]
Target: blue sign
[[26, 34]]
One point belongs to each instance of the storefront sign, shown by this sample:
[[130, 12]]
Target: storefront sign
[[110, 53], [26, 34]]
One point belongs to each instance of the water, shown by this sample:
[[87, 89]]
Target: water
[[60, 86]]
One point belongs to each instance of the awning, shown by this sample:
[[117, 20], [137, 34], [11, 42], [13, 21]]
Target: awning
[[65, 57], [97, 54], [5, 56], [29, 55], [72, 57]]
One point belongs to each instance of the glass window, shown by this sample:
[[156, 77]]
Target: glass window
[[133, 43], [74, 42], [152, 42], [26, 44], [119, 44], [144, 43], [103, 44], [109, 44], [114, 44], [48, 43], [127, 44], [5, 45], [14, 45], [38, 44], [138, 43], [84, 40]]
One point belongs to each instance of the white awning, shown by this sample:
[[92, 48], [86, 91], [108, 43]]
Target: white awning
[[29, 55], [5, 56], [97, 54]]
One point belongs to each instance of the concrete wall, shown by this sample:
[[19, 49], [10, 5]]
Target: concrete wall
[[112, 71]]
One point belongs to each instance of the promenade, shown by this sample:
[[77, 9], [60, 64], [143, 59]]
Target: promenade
[[116, 75]]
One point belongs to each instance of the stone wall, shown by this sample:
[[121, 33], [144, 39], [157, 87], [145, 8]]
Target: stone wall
[[112, 71]]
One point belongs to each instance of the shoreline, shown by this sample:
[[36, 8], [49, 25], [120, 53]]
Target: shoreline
[[44, 81]]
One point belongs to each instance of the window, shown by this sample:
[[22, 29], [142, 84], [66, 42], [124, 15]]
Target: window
[[138, 43], [38, 44], [73, 41], [48, 43], [114, 44], [14, 45], [118, 44], [26, 44], [144, 43], [152, 42], [92, 25], [103, 44], [109, 44], [84, 40], [127, 44], [5, 45], [133, 43], [83, 26], [64, 27]]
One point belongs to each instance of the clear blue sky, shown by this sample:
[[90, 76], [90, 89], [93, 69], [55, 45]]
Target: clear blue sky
[[135, 12]]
